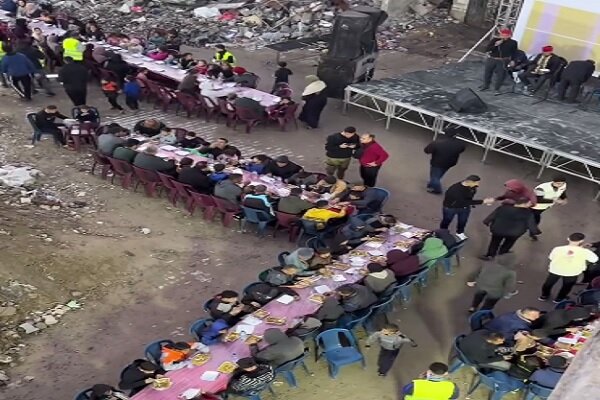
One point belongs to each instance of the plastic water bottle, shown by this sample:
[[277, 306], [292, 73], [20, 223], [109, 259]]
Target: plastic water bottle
[[243, 335]]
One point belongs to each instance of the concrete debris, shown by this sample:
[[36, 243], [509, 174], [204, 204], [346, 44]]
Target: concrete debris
[[7, 311], [14, 176], [146, 231], [5, 359], [28, 327], [50, 320]]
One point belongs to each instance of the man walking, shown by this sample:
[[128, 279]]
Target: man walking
[[444, 151], [74, 77], [549, 194], [458, 200], [339, 149], [19, 69], [566, 263], [371, 157]]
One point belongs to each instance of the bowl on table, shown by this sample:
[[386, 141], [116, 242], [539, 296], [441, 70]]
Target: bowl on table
[[162, 383]]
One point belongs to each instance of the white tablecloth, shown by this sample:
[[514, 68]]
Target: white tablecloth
[[46, 29]]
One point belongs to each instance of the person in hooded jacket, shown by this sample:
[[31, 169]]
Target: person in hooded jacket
[[379, 278], [281, 348], [402, 263], [355, 297], [507, 224], [211, 334], [448, 239], [261, 293], [495, 281], [557, 323], [516, 189], [117, 65], [330, 312], [433, 248]]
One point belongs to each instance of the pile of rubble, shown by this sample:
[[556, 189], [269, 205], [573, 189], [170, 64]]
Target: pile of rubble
[[250, 24]]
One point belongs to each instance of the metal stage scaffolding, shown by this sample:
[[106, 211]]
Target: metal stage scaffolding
[[551, 134]]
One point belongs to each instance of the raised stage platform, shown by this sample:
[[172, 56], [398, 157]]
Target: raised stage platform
[[551, 134]]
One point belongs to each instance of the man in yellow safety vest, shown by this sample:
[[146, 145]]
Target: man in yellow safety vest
[[433, 385], [73, 48], [549, 194], [224, 55]]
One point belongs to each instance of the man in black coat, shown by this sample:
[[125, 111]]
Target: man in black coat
[[138, 375], [444, 151], [36, 56], [74, 77], [541, 68], [575, 75]]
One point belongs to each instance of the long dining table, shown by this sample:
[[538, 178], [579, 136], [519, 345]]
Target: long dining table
[[47, 29], [190, 377]]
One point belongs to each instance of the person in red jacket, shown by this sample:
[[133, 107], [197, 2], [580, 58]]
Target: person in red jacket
[[371, 157]]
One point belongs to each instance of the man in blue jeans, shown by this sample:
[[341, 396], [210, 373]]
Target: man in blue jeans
[[444, 151], [458, 200]]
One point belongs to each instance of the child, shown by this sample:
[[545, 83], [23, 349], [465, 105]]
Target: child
[[86, 114], [110, 89], [159, 55], [390, 340], [191, 141], [219, 174], [132, 91], [166, 136], [282, 74]]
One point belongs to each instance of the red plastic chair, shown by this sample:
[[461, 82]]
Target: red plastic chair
[[183, 192], [227, 208], [288, 116], [166, 97], [168, 182], [224, 111], [101, 159], [209, 107], [122, 169], [149, 179], [205, 202], [287, 222], [189, 103], [248, 117]]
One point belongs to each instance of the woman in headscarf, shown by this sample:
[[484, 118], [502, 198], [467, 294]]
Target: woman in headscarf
[[432, 248], [402, 263], [117, 65], [315, 100], [516, 189], [105, 392]]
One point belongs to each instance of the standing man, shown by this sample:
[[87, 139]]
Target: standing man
[[37, 57], [433, 384], [339, 149], [575, 75], [74, 77], [501, 51], [566, 263], [444, 151], [19, 69], [458, 201], [548, 194], [371, 157], [72, 47], [224, 55]]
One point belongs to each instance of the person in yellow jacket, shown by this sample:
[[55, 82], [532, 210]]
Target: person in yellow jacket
[[433, 385], [548, 194], [73, 48], [224, 55]]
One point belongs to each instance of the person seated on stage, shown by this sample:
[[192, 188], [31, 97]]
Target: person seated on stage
[[280, 109], [259, 200], [250, 376], [86, 114], [486, 349], [186, 61], [173, 354], [148, 160], [192, 141], [45, 120], [219, 173], [194, 175], [230, 189], [325, 217], [294, 203], [139, 374], [160, 54], [189, 83], [244, 78], [518, 62], [258, 163], [226, 306], [261, 293], [335, 187], [542, 68], [126, 151], [149, 127], [282, 168], [258, 110], [106, 392], [355, 297], [500, 52], [303, 179], [216, 148], [378, 278], [549, 376], [281, 348], [574, 75]]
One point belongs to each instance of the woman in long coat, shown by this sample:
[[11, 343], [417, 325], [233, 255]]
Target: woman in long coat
[[315, 99]]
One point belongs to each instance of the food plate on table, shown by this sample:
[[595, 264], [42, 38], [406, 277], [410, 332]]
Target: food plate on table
[[358, 253], [162, 383], [339, 266], [168, 147], [253, 339], [231, 337], [227, 367], [182, 152], [261, 314], [200, 359], [276, 320], [317, 298]]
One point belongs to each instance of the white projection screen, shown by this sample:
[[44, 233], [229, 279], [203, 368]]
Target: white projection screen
[[571, 26]]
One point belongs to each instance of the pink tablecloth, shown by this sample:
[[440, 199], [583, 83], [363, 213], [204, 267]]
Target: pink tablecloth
[[188, 378]]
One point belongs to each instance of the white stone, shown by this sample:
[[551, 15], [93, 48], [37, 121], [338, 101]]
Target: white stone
[[146, 231], [50, 320], [28, 327], [17, 176]]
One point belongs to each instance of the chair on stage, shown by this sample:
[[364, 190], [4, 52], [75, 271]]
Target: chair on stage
[[336, 354]]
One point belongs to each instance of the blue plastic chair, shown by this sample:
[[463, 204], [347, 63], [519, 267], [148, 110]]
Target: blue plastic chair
[[207, 305], [337, 355], [480, 318], [153, 350], [315, 243], [498, 389], [287, 370], [423, 275], [281, 257], [459, 360], [83, 395], [590, 297], [198, 326], [351, 321], [403, 290], [382, 308], [535, 391], [564, 304], [452, 252], [259, 217]]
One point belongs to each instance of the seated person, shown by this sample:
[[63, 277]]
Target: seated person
[[216, 148], [518, 62], [281, 348], [355, 297], [280, 109], [228, 157], [260, 294], [226, 72], [109, 141], [294, 203], [378, 279], [282, 168], [189, 83], [308, 324], [330, 311], [257, 109], [330, 184], [303, 179], [542, 68], [281, 276], [173, 354], [557, 323], [524, 366], [148, 160], [351, 235], [250, 376], [321, 258], [300, 258], [219, 173], [549, 376], [379, 223], [173, 42], [45, 120], [486, 350], [258, 163], [186, 61], [194, 176], [156, 40], [86, 114], [243, 77], [575, 75], [149, 127], [364, 198], [192, 141], [213, 71], [433, 248], [126, 151], [212, 332], [105, 392], [259, 200], [166, 136], [510, 323], [324, 216], [448, 238], [138, 375], [201, 67], [135, 46], [402, 263], [226, 306], [283, 90], [230, 189]]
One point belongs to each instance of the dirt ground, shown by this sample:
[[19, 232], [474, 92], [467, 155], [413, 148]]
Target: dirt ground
[[135, 287]]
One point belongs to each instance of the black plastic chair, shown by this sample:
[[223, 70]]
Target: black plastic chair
[[37, 132]]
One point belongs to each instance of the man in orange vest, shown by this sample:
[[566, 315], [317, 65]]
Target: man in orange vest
[[433, 385]]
